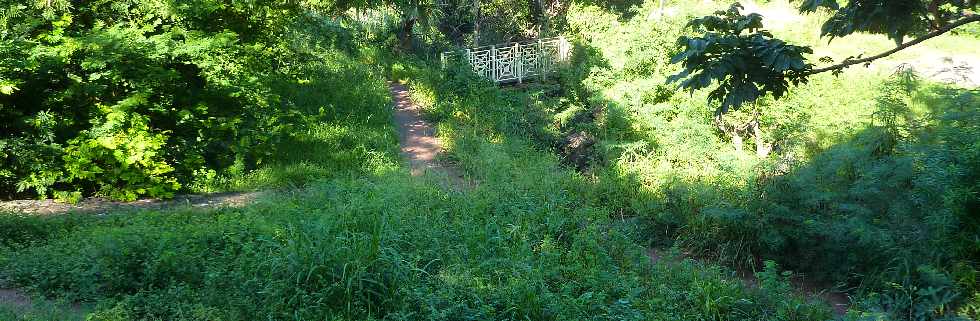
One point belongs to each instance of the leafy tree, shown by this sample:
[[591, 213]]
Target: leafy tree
[[744, 62], [127, 99]]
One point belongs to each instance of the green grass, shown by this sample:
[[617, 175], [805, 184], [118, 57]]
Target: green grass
[[533, 241], [530, 242], [885, 210], [344, 129], [871, 188], [853, 195]]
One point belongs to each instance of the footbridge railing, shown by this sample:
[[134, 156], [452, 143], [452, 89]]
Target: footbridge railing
[[514, 61]]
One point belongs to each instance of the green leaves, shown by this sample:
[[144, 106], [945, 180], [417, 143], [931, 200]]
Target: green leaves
[[122, 156], [7, 87], [893, 18], [747, 62], [738, 55], [813, 5], [896, 19], [138, 94]]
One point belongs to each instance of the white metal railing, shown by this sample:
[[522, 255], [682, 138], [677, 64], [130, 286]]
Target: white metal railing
[[514, 61]]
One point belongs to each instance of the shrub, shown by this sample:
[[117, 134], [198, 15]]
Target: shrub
[[130, 99]]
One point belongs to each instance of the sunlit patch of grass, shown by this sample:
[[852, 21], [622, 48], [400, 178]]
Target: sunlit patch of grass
[[345, 130], [327, 150]]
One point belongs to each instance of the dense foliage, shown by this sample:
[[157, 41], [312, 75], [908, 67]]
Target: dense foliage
[[742, 57], [389, 248], [128, 99], [865, 182], [746, 67], [532, 241]]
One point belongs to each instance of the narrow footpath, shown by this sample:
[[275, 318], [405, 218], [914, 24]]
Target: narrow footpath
[[419, 144]]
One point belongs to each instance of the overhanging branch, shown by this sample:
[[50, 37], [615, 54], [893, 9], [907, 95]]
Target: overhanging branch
[[850, 62]]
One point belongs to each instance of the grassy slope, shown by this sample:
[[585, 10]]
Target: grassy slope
[[342, 132], [838, 202], [528, 243], [842, 202], [533, 241]]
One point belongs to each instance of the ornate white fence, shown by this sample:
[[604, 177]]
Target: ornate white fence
[[515, 61]]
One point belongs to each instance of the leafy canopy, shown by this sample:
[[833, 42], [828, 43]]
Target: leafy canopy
[[745, 62]]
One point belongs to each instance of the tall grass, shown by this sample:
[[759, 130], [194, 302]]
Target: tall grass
[[536, 240], [532, 241], [528, 243], [870, 188], [342, 128]]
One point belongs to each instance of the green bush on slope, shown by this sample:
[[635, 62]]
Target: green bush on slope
[[870, 183], [140, 98]]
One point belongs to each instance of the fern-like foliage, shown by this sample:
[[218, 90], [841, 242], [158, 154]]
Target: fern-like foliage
[[744, 59], [745, 62]]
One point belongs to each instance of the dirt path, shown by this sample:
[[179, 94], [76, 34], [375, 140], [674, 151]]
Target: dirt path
[[98, 205], [417, 138], [17, 302], [418, 142], [14, 299], [419, 146]]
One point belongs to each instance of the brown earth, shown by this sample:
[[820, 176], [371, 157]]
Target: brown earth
[[419, 145], [14, 299], [99, 205]]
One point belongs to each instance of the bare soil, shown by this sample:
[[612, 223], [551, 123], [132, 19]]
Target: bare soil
[[19, 303], [14, 299], [99, 205], [419, 144]]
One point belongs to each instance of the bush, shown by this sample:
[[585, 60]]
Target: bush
[[131, 99]]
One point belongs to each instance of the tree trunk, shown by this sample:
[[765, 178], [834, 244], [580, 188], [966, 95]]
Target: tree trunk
[[734, 133], [545, 27], [737, 141], [405, 34], [937, 21], [762, 149], [476, 23]]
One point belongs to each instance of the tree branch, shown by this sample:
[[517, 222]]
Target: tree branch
[[849, 62]]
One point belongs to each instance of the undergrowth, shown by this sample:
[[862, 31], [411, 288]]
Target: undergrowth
[[147, 98], [530, 242], [867, 183]]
